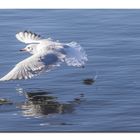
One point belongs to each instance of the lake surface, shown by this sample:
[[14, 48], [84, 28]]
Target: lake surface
[[60, 100]]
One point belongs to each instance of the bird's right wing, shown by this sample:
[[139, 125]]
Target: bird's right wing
[[32, 66], [28, 37], [74, 55]]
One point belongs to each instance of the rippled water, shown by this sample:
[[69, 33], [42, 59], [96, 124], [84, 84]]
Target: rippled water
[[61, 100]]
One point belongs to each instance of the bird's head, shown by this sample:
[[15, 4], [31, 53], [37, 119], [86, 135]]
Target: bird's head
[[31, 48]]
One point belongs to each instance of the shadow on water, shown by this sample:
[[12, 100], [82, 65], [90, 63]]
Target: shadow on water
[[42, 103]]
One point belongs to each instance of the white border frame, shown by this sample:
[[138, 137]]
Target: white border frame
[[69, 4]]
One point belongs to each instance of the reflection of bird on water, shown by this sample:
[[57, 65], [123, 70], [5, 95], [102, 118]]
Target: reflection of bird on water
[[40, 103]]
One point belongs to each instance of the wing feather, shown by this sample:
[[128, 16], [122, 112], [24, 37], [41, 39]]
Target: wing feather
[[28, 37], [32, 66], [74, 55]]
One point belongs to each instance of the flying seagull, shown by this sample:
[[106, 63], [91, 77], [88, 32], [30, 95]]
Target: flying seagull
[[46, 54]]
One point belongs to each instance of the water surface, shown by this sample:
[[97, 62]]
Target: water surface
[[60, 100]]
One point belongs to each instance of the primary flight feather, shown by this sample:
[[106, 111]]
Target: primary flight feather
[[45, 55]]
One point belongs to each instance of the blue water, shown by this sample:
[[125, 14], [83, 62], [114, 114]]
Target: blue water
[[60, 100]]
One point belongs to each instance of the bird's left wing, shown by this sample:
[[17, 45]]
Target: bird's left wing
[[32, 66]]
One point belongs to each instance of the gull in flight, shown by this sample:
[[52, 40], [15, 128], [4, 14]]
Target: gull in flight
[[45, 55]]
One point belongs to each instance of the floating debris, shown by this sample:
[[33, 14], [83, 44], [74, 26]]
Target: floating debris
[[88, 81]]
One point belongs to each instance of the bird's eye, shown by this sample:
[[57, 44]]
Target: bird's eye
[[28, 47]]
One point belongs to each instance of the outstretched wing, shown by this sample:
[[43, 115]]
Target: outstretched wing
[[28, 37], [32, 66], [74, 55]]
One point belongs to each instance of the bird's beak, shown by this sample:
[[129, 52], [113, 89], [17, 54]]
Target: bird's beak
[[22, 49]]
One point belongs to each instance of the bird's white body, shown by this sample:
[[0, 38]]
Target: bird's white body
[[45, 55]]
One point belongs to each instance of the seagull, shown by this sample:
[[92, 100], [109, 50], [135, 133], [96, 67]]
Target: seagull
[[46, 54]]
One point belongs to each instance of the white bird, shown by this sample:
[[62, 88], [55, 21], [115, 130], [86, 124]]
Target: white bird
[[45, 55]]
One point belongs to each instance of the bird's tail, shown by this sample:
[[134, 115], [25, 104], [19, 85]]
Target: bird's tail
[[75, 55]]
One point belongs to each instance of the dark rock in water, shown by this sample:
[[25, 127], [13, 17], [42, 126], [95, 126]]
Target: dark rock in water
[[88, 81], [4, 101]]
